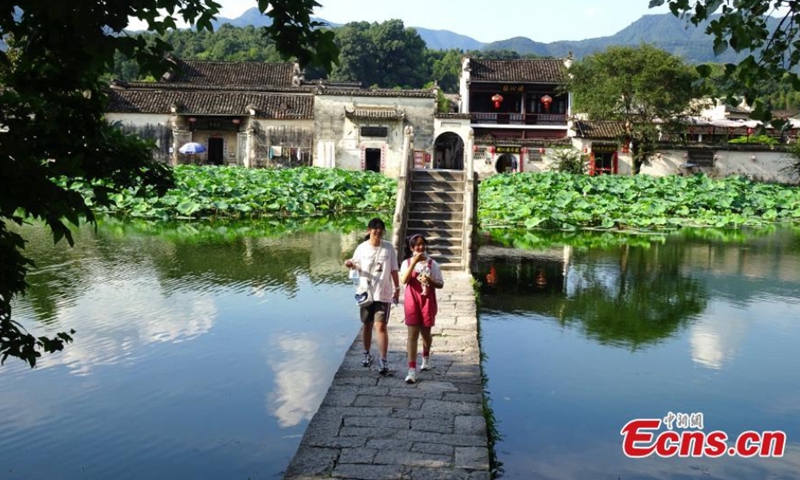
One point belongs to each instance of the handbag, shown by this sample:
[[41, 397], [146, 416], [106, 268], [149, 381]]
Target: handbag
[[363, 295], [364, 298]]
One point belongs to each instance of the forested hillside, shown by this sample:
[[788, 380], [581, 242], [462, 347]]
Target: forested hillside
[[386, 54]]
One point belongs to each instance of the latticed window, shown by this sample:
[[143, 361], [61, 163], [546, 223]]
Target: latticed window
[[374, 132], [701, 158]]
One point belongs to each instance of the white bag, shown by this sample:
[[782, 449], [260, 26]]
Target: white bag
[[363, 297]]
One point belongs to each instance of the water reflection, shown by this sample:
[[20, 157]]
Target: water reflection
[[707, 323], [300, 379], [200, 352], [627, 296]]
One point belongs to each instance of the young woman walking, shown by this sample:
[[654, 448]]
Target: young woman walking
[[422, 277]]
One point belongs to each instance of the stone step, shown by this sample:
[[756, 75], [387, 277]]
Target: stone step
[[443, 175], [450, 262], [436, 241], [436, 185], [429, 206], [437, 196], [451, 234], [436, 215], [442, 251], [421, 223]]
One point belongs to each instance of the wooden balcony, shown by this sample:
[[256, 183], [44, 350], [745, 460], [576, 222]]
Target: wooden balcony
[[493, 118]]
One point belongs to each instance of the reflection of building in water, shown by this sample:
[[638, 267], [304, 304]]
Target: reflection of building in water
[[513, 271]]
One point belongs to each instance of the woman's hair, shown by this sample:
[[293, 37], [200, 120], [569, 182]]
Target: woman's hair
[[375, 223], [413, 239]]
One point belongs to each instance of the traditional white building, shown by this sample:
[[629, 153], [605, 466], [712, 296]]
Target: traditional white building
[[266, 114]]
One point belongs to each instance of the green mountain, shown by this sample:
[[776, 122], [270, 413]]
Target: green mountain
[[435, 39], [665, 31]]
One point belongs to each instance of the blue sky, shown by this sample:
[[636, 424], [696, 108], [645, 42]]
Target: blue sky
[[486, 20]]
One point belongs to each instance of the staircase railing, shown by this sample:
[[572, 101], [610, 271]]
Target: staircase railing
[[470, 206], [400, 219]]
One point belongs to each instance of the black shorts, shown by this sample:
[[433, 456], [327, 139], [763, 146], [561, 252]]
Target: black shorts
[[375, 312]]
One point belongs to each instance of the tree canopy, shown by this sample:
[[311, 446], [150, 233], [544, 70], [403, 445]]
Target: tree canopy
[[53, 136], [384, 54], [743, 27], [635, 85]]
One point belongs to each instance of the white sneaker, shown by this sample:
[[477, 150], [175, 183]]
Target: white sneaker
[[367, 360], [412, 376], [426, 364]]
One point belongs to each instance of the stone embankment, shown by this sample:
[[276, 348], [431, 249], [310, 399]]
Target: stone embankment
[[374, 427]]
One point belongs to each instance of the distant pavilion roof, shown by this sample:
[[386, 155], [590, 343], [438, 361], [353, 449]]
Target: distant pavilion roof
[[538, 70], [603, 129], [252, 74]]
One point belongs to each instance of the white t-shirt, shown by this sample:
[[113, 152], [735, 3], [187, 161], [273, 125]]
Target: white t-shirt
[[375, 265], [436, 272]]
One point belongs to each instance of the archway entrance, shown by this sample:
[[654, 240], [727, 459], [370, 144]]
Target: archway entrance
[[507, 163], [372, 159], [215, 151], [449, 152]]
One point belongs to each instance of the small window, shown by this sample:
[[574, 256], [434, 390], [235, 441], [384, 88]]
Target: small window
[[374, 132], [534, 156], [701, 158]]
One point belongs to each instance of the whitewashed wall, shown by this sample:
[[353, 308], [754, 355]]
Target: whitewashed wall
[[139, 119], [338, 139], [762, 165]]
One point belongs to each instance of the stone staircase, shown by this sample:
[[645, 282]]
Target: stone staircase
[[436, 210]]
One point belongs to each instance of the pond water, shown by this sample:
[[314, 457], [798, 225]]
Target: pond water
[[198, 353], [581, 341]]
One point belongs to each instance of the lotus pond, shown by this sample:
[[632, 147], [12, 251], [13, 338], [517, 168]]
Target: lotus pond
[[202, 350], [586, 332]]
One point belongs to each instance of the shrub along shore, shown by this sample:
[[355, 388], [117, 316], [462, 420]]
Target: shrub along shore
[[556, 201]]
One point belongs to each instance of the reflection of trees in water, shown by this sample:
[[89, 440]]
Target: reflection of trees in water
[[119, 251], [630, 298]]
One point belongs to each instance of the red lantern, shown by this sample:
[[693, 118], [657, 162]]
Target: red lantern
[[546, 101], [236, 121], [541, 150], [497, 99], [492, 149], [749, 130], [192, 119]]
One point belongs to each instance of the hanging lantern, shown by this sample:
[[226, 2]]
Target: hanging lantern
[[236, 121], [497, 99], [541, 150], [192, 119], [546, 101], [492, 149]]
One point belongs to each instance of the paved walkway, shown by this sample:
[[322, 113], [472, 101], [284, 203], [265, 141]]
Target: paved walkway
[[371, 427]]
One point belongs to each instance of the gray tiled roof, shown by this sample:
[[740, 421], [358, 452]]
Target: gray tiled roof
[[267, 105], [539, 70], [232, 73], [606, 129], [191, 86], [376, 92], [375, 113]]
